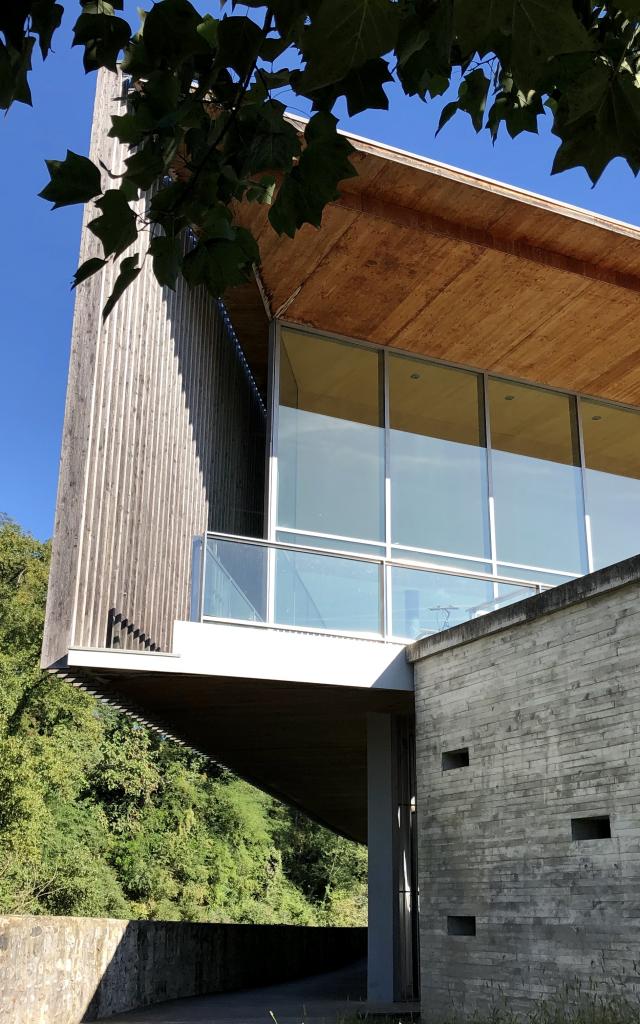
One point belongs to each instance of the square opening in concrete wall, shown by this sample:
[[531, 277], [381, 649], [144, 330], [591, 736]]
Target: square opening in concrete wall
[[455, 759], [461, 925], [591, 828]]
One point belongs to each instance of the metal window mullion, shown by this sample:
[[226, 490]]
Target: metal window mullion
[[203, 577], [387, 454], [333, 536], [490, 493], [387, 599], [585, 486], [271, 586], [273, 399]]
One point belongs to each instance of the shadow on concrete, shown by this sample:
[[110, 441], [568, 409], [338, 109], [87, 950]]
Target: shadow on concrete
[[142, 963], [320, 999]]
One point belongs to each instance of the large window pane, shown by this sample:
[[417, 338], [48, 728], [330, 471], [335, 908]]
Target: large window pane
[[428, 602], [612, 456], [536, 477], [330, 437], [438, 459], [235, 581], [325, 592]]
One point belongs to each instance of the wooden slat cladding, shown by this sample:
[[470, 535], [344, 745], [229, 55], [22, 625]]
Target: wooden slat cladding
[[163, 439]]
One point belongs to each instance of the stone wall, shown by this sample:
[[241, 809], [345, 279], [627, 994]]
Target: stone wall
[[63, 970], [545, 697]]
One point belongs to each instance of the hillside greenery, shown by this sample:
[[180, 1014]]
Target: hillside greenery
[[100, 816]]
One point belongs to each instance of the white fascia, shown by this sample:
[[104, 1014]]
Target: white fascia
[[252, 652]]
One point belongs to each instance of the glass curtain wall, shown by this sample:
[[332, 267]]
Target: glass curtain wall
[[330, 438], [537, 481], [390, 455], [612, 459], [438, 494]]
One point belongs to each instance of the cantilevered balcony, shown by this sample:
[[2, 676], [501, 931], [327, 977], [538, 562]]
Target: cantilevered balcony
[[311, 589]]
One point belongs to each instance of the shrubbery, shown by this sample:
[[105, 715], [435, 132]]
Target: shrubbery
[[100, 816]]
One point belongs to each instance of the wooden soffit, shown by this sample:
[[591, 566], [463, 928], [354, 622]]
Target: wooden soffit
[[425, 258]]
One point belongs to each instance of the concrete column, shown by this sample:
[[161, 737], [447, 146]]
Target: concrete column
[[381, 836]]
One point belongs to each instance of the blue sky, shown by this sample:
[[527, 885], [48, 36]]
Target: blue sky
[[39, 248]]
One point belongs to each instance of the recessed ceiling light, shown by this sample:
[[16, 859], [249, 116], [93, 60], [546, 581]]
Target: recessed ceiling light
[[415, 376], [509, 398], [596, 417]]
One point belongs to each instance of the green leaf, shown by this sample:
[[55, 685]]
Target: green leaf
[[46, 16], [128, 273], [519, 111], [630, 8], [261, 191], [116, 227], [274, 142], [73, 180], [131, 128], [272, 48], [208, 29], [362, 88], [239, 40], [136, 60], [103, 37], [15, 66], [167, 259], [219, 264], [343, 36], [87, 269], [524, 34], [424, 49], [598, 119], [145, 166], [472, 96], [313, 182], [161, 92], [447, 113], [170, 32], [13, 18]]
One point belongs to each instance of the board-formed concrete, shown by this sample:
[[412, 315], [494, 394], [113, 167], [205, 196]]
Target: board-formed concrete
[[545, 696]]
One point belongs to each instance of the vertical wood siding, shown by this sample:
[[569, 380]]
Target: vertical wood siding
[[163, 438]]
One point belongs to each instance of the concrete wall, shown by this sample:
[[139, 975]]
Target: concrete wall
[[546, 697], [63, 970]]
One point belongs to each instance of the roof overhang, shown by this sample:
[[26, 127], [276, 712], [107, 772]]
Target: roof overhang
[[422, 257]]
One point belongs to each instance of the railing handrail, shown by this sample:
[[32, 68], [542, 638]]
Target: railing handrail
[[402, 563]]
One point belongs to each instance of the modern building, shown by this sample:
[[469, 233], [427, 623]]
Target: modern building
[[377, 495]]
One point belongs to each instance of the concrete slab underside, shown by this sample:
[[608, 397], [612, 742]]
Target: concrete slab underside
[[306, 744], [322, 998]]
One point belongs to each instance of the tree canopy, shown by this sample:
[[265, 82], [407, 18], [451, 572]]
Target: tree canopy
[[206, 116], [102, 817]]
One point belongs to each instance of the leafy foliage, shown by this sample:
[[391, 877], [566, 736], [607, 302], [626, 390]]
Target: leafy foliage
[[99, 816], [208, 128]]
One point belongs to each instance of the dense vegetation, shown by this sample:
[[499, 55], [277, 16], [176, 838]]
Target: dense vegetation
[[100, 816]]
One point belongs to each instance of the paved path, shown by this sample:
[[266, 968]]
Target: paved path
[[322, 999]]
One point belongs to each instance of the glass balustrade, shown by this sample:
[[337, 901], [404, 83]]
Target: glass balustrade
[[287, 585]]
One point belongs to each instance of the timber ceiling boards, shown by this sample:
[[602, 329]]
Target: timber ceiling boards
[[435, 261]]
